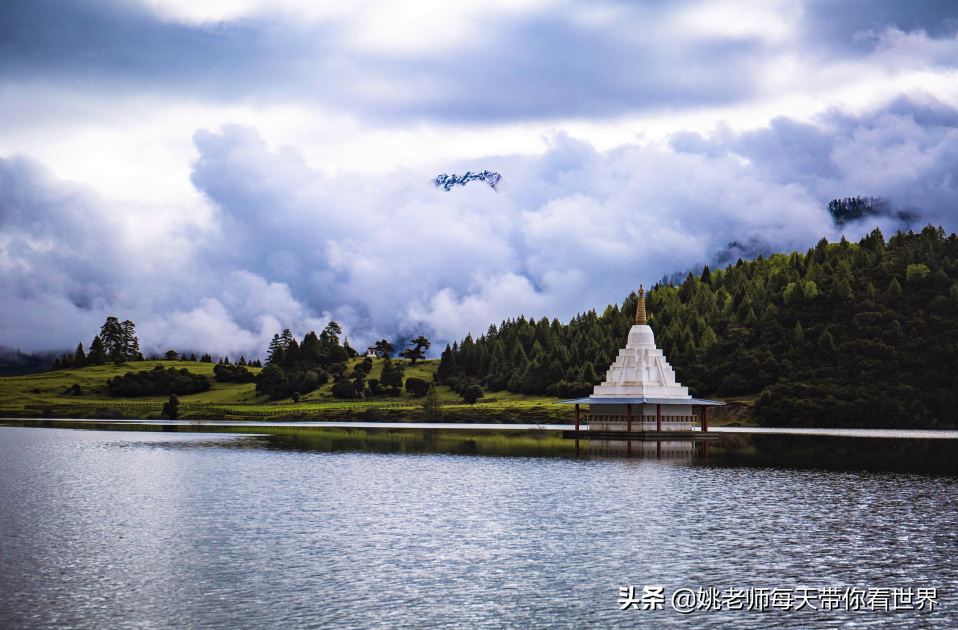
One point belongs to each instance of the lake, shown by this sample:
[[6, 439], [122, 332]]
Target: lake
[[161, 530]]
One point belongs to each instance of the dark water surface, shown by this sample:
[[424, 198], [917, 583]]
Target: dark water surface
[[143, 530]]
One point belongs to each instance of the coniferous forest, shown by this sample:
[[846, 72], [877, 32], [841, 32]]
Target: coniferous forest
[[846, 334]]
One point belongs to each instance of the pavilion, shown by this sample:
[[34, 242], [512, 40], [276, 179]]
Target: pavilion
[[640, 393]]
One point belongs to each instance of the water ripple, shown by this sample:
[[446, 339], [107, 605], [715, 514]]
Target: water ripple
[[163, 531]]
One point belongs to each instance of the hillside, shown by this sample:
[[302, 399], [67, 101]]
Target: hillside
[[846, 335], [52, 394]]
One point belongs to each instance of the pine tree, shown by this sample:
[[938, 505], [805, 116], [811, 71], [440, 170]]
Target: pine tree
[[447, 365], [826, 342], [273, 345], [894, 289], [113, 337], [79, 357], [98, 354], [131, 343]]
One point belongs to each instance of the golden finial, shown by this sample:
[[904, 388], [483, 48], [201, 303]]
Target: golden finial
[[640, 310]]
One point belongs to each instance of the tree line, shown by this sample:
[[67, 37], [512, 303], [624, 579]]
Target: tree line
[[118, 343], [296, 368], [845, 334]]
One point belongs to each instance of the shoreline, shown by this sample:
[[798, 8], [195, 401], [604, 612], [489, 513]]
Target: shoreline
[[266, 428]]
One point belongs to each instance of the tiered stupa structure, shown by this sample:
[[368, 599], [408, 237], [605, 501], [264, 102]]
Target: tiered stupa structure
[[640, 392]]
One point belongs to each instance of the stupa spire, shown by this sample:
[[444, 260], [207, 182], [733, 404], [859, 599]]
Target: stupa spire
[[640, 311]]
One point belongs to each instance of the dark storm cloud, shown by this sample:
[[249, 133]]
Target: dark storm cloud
[[836, 27], [56, 228], [121, 47], [539, 65]]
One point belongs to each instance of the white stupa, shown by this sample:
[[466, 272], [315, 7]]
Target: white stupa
[[640, 370], [640, 392]]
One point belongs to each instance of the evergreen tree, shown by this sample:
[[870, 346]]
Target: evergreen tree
[[798, 335], [98, 353], [392, 374], [113, 337], [79, 357], [171, 408], [131, 343], [894, 289], [447, 365], [275, 344]]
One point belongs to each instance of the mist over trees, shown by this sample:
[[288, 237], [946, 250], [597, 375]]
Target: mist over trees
[[13, 362]]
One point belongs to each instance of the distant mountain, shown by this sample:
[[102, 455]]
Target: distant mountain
[[446, 182]]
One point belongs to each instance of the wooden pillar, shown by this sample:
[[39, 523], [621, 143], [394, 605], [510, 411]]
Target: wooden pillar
[[628, 417], [577, 428], [705, 419], [658, 417]]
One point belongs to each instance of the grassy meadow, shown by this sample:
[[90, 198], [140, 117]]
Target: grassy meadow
[[50, 394]]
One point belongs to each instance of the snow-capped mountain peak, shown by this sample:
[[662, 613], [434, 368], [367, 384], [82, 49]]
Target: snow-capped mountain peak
[[448, 181]]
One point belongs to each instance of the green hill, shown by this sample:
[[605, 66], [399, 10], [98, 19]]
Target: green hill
[[847, 334]]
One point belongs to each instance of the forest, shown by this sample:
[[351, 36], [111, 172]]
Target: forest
[[846, 334]]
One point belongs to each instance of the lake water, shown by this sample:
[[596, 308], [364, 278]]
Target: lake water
[[143, 530]]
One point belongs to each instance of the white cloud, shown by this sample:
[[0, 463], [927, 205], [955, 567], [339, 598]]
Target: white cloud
[[241, 167]]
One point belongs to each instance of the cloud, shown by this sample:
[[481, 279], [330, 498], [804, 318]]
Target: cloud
[[905, 154], [483, 62], [218, 172]]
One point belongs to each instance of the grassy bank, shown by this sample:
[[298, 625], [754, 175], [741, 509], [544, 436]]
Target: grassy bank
[[50, 395]]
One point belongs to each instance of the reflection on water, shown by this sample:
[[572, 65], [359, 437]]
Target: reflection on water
[[730, 449], [139, 530]]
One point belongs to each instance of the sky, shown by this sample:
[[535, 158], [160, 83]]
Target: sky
[[217, 171]]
